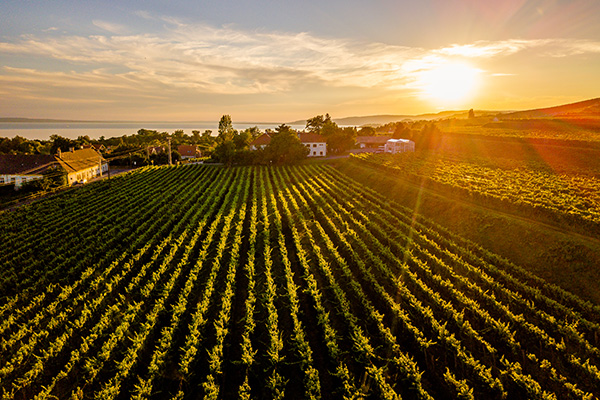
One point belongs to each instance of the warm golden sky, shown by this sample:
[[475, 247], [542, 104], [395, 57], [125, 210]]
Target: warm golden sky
[[283, 60]]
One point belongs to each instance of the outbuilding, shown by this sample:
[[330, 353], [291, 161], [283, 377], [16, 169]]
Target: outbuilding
[[399, 146], [18, 169]]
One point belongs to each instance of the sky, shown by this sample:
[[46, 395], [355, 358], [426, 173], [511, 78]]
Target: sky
[[281, 61]]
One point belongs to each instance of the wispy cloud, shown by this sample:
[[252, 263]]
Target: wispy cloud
[[545, 47], [110, 27], [226, 61]]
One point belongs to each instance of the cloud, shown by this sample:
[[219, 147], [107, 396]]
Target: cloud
[[110, 27], [144, 14], [208, 60], [225, 60], [544, 47]]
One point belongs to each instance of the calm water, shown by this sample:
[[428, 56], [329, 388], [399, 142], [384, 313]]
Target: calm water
[[94, 130]]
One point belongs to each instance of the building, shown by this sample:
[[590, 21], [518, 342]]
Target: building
[[18, 169], [399, 146], [156, 149], [82, 165], [371, 142], [98, 147], [260, 142], [188, 151], [317, 144]]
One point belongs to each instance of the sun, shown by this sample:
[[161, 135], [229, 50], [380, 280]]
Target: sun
[[449, 84]]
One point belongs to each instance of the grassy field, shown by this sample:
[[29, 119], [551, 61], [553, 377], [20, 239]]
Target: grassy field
[[257, 282]]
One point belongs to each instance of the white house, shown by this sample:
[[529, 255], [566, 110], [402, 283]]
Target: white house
[[399, 146], [18, 169], [82, 165], [188, 151], [317, 144]]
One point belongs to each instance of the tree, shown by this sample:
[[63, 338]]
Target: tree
[[471, 114], [367, 131], [285, 148], [342, 140], [315, 124], [226, 130], [329, 127], [62, 143], [253, 131], [196, 137], [224, 152], [179, 137], [242, 140], [283, 128]]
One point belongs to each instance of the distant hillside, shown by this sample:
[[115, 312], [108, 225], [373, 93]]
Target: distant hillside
[[581, 109], [386, 119], [589, 109]]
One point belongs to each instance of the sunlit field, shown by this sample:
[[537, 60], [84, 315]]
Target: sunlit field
[[574, 194], [271, 282]]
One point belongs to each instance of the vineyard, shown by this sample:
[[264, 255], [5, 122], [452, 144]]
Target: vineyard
[[572, 195], [256, 282]]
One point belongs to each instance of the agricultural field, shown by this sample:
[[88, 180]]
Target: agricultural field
[[572, 194], [272, 282]]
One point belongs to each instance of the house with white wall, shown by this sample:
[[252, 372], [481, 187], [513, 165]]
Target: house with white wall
[[188, 151], [317, 144], [82, 165], [18, 169], [399, 146]]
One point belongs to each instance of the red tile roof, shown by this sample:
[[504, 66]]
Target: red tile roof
[[372, 139], [186, 150], [311, 138], [23, 164], [262, 140]]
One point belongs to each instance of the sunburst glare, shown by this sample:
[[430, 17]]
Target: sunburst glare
[[449, 84]]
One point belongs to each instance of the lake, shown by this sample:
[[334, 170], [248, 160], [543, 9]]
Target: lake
[[43, 131]]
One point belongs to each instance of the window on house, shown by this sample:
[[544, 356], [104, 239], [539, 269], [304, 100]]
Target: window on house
[[320, 153], [314, 145]]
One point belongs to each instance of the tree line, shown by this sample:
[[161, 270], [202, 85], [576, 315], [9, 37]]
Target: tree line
[[228, 146]]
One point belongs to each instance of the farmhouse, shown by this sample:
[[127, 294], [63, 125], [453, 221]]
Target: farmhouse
[[21, 168], [81, 165], [260, 142], [399, 146], [188, 151], [317, 144]]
